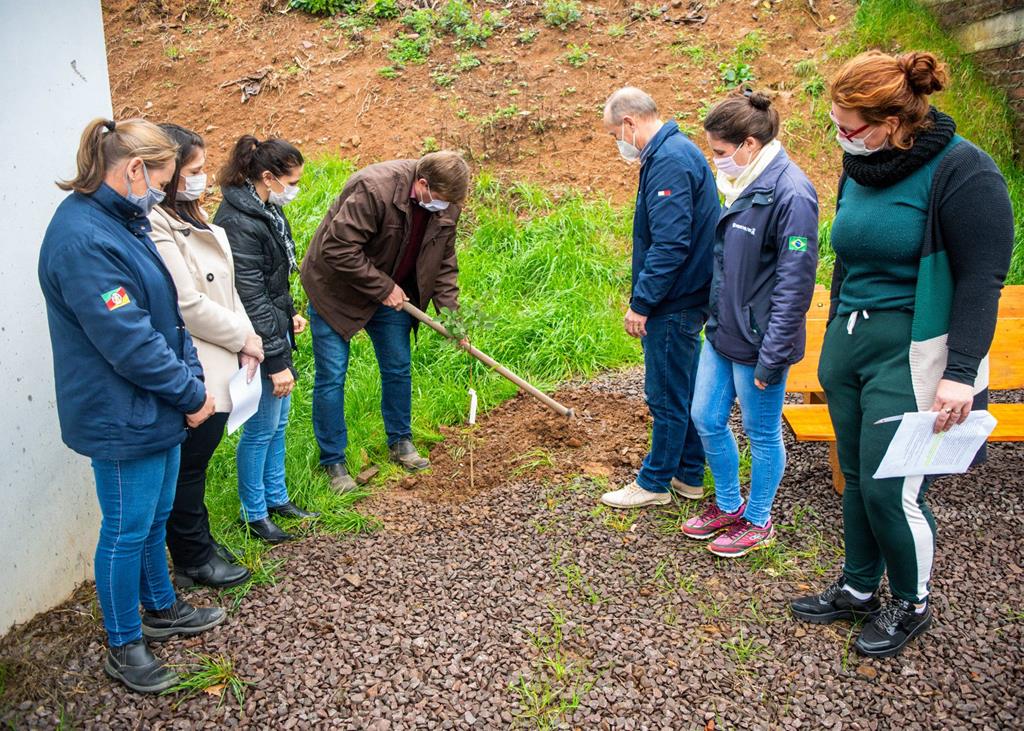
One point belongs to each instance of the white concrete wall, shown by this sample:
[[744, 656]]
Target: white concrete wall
[[54, 80]]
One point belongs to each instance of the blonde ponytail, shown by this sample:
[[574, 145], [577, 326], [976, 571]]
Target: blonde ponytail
[[105, 143]]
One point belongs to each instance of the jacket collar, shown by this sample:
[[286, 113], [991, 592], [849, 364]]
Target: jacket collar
[[668, 129], [239, 197], [169, 220], [769, 179], [117, 206]]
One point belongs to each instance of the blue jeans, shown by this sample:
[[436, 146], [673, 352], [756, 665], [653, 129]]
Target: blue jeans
[[135, 497], [719, 382], [671, 349], [389, 332], [260, 456]]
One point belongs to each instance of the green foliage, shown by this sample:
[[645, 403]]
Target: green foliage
[[422, 20], [455, 14], [561, 13], [174, 53], [412, 48], [693, 52], [466, 62], [806, 68], [734, 73], [430, 144], [527, 36], [815, 87], [750, 46], [442, 78], [389, 72], [465, 323], [382, 9], [616, 31], [325, 7], [577, 56]]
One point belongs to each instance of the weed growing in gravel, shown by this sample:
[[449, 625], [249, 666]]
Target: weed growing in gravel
[[531, 461], [214, 675], [744, 649], [576, 582], [621, 521], [558, 682]]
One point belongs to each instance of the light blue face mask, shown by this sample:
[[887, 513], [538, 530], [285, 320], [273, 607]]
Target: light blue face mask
[[433, 205], [148, 200]]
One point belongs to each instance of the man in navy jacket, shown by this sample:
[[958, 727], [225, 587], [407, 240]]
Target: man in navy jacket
[[677, 208]]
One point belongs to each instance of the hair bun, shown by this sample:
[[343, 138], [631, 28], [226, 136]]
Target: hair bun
[[925, 73], [759, 100]]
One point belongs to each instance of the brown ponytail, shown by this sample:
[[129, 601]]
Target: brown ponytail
[[744, 113], [250, 157], [877, 85], [106, 143]]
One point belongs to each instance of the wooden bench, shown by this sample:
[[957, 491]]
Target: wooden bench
[[810, 421]]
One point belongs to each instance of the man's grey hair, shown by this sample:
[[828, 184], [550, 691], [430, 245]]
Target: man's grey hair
[[631, 101]]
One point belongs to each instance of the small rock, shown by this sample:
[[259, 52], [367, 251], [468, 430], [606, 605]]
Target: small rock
[[353, 579], [867, 671]]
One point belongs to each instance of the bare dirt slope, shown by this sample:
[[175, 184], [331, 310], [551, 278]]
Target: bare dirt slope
[[525, 112]]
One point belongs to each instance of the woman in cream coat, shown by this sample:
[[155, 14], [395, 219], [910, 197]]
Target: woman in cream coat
[[198, 257]]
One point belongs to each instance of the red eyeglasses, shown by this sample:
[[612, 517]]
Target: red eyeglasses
[[842, 130]]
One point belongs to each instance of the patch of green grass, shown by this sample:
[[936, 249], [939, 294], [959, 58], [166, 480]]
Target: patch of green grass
[[412, 48], [750, 46], [577, 56], [389, 72], [455, 14], [382, 9], [430, 144], [806, 68], [466, 62], [621, 521], [980, 110], [815, 87], [561, 13], [527, 36], [694, 52], [174, 53], [324, 7], [531, 461], [616, 31], [744, 649], [421, 20], [215, 675]]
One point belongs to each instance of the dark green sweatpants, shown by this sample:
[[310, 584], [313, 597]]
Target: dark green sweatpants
[[865, 372]]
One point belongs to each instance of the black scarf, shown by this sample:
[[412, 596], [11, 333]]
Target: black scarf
[[888, 167]]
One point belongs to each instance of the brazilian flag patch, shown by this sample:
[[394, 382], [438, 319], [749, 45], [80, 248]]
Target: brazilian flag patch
[[798, 243]]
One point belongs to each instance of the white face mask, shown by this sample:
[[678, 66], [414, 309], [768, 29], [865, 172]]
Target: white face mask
[[728, 165], [433, 205], [195, 186], [857, 146], [629, 152], [285, 197]]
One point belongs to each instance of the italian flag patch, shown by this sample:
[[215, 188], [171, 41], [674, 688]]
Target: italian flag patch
[[116, 298], [798, 243]]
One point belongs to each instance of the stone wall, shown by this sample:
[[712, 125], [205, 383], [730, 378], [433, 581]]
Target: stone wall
[[992, 31]]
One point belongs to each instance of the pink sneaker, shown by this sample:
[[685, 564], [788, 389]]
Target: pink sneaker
[[710, 522], [742, 538]]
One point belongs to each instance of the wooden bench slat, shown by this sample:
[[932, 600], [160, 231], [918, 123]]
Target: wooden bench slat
[[811, 423], [1011, 303]]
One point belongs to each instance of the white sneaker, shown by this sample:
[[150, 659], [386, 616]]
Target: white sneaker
[[690, 492], [634, 496]]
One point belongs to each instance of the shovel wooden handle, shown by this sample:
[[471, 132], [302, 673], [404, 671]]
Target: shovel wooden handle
[[491, 363]]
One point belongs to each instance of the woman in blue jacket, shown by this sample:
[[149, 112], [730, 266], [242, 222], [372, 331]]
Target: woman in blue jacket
[[766, 255], [128, 381]]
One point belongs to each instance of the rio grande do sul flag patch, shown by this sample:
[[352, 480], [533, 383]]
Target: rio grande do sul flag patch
[[798, 243], [116, 298], [664, 193]]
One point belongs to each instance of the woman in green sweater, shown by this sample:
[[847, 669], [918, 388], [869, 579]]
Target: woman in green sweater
[[923, 235]]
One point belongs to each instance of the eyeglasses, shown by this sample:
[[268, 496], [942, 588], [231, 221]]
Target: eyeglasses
[[847, 135]]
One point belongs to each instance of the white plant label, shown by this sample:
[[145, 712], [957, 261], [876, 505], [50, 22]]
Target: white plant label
[[472, 407]]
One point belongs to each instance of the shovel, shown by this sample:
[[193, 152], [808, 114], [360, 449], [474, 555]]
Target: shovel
[[491, 363]]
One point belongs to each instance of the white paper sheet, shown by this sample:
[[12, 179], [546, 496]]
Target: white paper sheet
[[245, 398], [917, 450]]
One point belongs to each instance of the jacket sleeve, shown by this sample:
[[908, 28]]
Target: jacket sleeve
[[795, 269], [247, 251], [670, 219], [205, 318], [356, 222], [125, 335], [976, 220], [446, 289]]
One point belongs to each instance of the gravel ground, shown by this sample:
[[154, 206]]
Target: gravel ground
[[524, 604]]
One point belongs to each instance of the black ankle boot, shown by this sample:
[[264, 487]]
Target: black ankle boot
[[180, 619], [268, 531], [215, 573], [291, 510], [138, 668], [897, 625], [833, 604]]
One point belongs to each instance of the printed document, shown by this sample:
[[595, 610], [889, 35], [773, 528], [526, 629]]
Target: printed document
[[917, 450]]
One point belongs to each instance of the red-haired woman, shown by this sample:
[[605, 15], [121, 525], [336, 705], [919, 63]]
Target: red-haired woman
[[923, 235]]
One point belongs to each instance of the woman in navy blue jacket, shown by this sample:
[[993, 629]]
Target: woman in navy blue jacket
[[766, 255], [128, 381]]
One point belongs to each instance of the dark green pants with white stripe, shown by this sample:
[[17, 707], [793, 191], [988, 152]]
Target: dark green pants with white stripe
[[865, 372]]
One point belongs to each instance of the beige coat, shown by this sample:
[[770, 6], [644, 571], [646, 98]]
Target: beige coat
[[203, 271]]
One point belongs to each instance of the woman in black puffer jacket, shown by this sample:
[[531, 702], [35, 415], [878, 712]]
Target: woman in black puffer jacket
[[257, 181]]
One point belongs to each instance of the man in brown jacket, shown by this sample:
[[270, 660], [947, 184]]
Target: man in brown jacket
[[388, 239]]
